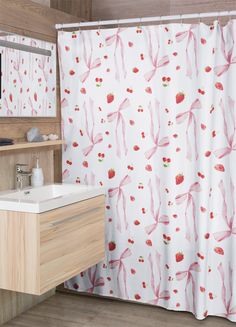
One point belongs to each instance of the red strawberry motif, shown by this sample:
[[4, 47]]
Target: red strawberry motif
[[135, 70], [149, 242], [148, 90], [179, 97], [83, 90], [219, 250], [72, 72], [148, 168], [137, 222], [203, 209], [179, 179], [111, 246], [179, 257], [136, 148], [211, 296], [85, 164], [207, 235], [219, 86], [75, 144], [203, 41], [207, 69], [137, 297], [207, 153], [219, 167], [202, 289], [111, 173], [110, 98]]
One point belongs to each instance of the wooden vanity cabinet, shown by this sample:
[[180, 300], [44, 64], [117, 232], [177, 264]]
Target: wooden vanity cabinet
[[40, 251]]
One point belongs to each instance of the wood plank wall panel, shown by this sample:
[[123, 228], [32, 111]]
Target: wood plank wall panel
[[118, 9], [34, 20], [8, 161], [79, 8], [29, 18]]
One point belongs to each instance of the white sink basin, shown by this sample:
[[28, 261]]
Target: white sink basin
[[47, 197]]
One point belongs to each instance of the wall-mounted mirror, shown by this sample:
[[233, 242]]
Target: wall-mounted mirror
[[27, 77]]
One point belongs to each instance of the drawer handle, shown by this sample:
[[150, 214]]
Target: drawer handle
[[72, 218]]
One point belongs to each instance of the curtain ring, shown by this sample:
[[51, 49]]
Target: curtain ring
[[99, 25], [181, 19], [140, 23], [199, 18]]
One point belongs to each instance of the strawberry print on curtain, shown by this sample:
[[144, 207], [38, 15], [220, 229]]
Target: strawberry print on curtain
[[149, 113]]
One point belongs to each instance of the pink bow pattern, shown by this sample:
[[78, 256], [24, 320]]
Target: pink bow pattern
[[118, 43], [9, 111], [118, 116], [194, 267], [155, 60], [88, 60], [94, 139], [230, 60], [158, 218], [120, 197], [189, 34], [190, 202], [95, 282], [230, 137], [17, 67], [156, 286], [163, 142], [33, 111], [222, 235], [121, 268], [229, 309], [65, 174], [189, 115], [42, 64]]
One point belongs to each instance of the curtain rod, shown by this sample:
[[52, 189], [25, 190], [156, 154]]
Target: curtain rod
[[146, 19]]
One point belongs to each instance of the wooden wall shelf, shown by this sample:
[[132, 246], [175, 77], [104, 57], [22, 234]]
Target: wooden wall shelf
[[29, 145]]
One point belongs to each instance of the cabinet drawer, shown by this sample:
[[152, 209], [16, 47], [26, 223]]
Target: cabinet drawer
[[71, 240]]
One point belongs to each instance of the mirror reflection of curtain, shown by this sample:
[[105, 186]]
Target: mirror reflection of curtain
[[28, 80]]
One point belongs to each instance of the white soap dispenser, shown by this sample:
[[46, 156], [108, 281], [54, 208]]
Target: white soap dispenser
[[37, 178]]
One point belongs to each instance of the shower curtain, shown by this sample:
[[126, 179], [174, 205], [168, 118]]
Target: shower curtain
[[149, 114]]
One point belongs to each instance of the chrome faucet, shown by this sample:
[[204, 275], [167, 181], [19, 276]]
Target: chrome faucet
[[22, 177]]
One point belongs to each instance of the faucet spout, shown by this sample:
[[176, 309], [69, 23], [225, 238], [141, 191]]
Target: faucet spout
[[22, 177]]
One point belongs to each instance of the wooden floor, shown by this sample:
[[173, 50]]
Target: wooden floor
[[69, 310]]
